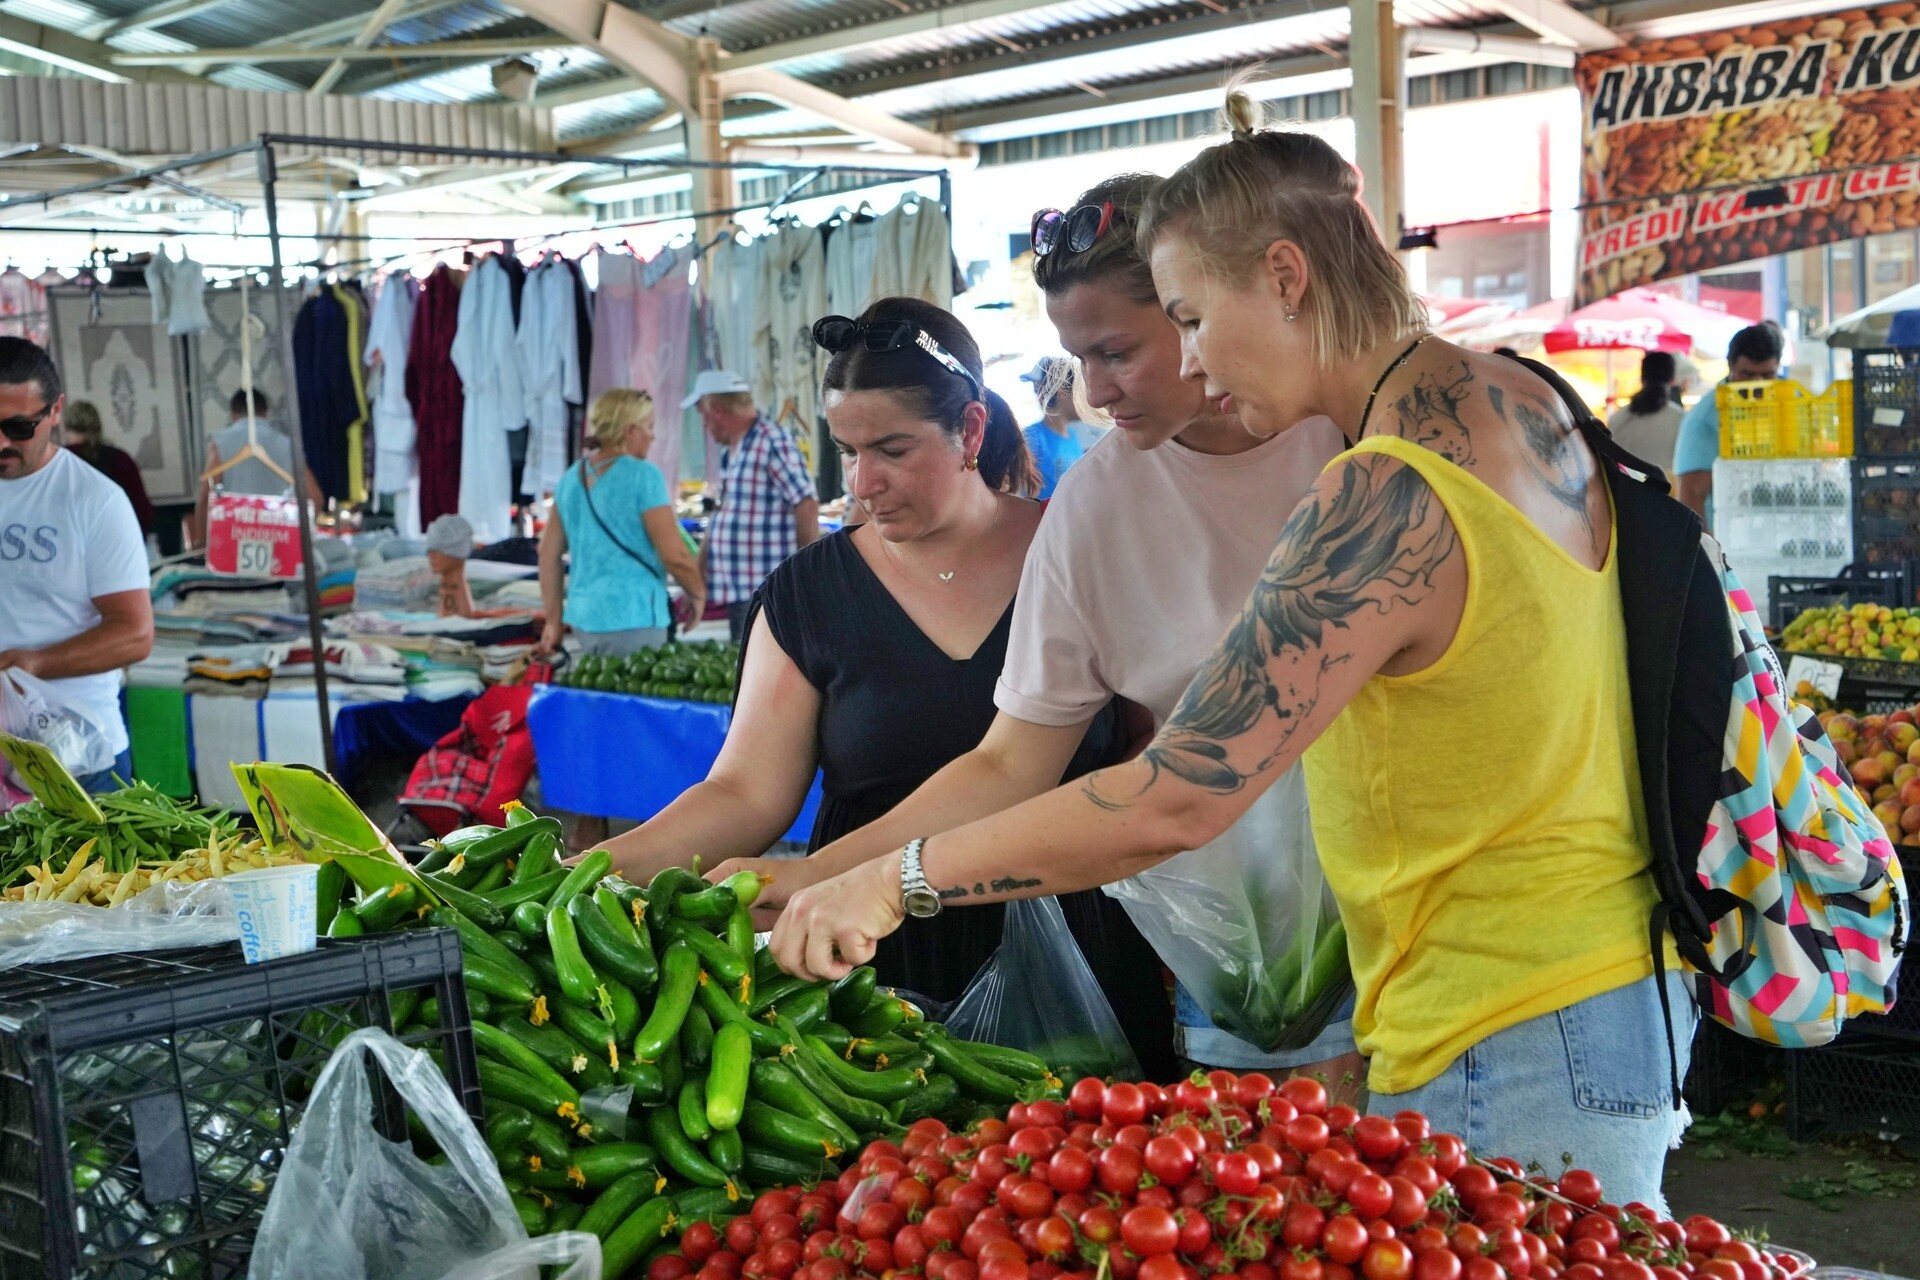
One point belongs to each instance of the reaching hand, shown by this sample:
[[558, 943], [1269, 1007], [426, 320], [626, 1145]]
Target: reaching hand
[[551, 635], [831, 928]]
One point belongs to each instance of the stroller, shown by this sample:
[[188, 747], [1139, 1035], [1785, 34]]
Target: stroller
[[471, 772]]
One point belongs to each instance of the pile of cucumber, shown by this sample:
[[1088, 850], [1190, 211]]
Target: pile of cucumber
[[643, 1064]]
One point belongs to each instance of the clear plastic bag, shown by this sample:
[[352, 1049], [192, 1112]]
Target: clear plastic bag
[[1037, 993], [352, 1205], [167, 915], [1248, 925], [32, 708]]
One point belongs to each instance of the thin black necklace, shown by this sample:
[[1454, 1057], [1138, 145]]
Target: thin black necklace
[[1403, 357]]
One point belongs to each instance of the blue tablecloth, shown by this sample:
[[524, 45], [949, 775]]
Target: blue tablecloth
[[363, 731], [621, 756]]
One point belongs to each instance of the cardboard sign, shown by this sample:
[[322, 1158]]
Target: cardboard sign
[[41, 772], [1823, 676], [250, 535]]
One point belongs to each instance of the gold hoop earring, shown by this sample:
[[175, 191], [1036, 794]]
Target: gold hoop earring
[[973, 463]]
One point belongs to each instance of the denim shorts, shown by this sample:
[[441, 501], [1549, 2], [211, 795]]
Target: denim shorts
[[618, 644], [1591, 1083], [1197, 1039]]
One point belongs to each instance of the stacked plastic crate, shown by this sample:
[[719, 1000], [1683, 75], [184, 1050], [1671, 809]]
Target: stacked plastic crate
[[1783, 486]]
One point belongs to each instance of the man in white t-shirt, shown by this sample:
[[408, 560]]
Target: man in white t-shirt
[[73, 567]]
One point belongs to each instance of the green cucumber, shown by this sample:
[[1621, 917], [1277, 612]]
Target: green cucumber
[[494, 877], [685, 1159], [727, 1078], [767, 1126], [679, 977], [850, 996], [693, 1109], [345, 924], [860, 1114], [1015, 1064], [585, 874], [560, 1051], [771, 992], [626, 1009], [331, 884], [664, 888], [739, 936], [887, 1046], [611, 1207], [538, 859], [709, 906], [649, 1082], [506, 842], [626, 1244], [603, 945], [606, 1164], [726, 1149], [938, 1098], [504, 1084], [564, 1216], [746, 886], [807, 1008], [485, 975], [1328, 965], [471, 905], [766, 1167], [588, 1027], [718, 958], [578, 981], [535, 890], [508, 1131], [696, 1037], [382, 909], [976, 1079], [533, 1214], [505, 1049], [477, 941], [773, 1083], [517, 813], [717, 1205], [530, 918], [875, 1086], [716, 1001], [882, 1014]]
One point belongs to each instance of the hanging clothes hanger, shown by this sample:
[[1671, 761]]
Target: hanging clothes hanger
[[251, 450]]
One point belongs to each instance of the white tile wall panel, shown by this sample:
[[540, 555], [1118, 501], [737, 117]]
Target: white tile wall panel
[[177, 119]]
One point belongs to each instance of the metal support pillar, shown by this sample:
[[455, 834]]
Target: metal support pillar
[[1379, 108], [309, 571]]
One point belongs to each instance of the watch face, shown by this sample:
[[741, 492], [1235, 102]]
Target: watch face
[[922, 903]]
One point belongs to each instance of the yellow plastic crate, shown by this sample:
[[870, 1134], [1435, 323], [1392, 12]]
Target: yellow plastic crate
[[1782, 419]]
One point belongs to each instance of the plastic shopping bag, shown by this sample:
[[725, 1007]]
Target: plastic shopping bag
[[1248, 925], [1036, 993], [32, 708], [170, 914], [352, 1205]]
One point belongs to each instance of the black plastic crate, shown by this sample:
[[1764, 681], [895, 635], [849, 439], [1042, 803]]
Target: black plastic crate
[[1886, 511], [1862, 1085], [146, 1101], [1891, 585], [1886, 403], [1727, 1068]]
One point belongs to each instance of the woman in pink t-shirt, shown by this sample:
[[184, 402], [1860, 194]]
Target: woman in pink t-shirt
[[1149, 548]]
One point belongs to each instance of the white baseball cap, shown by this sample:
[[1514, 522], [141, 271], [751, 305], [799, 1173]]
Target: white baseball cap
[[715, 382]]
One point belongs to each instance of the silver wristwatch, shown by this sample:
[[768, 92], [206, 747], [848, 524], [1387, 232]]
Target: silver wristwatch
[[917, 897]]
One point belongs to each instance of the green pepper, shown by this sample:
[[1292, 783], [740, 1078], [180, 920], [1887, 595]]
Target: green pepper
[[578, 981], [727, 1077], [679, 978]]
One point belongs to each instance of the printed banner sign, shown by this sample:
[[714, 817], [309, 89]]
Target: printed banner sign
[[1707, 150], [252, 536]]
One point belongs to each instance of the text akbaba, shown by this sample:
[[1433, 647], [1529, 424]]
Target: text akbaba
[[1648, 93]]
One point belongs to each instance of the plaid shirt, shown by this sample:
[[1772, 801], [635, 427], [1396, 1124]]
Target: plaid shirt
[[762, 479]]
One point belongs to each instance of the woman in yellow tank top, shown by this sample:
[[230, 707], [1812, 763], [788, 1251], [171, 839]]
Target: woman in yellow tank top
[[1439, 633]]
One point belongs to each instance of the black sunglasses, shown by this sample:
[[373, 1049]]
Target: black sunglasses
[[837, 333], [1079, 229], [20, 430]]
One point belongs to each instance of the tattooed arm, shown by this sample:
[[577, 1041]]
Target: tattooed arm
[[1366, 570]]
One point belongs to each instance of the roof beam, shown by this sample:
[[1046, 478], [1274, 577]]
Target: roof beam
[[344, 28], [590, 91], [305, 53], [376, 22], [661, 58], [1111, 96], [63, 49], [1559, 22], [158, 15], [954, 17], [855, 117]]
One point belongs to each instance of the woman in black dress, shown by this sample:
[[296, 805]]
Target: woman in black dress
[[872, 654]]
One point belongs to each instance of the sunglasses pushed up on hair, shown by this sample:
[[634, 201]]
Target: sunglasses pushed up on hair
[[1079, 229], [835, 334]]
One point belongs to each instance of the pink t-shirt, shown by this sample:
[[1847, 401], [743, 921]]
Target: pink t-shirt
[[1142, 562]]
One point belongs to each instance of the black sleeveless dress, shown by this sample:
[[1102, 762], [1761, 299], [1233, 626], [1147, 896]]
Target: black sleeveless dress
[[895, 710]]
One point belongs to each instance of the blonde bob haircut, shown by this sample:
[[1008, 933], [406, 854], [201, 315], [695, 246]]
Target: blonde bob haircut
[[615, 412], [1231, 202]]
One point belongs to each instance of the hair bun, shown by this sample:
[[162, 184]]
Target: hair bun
[[1240, 112]]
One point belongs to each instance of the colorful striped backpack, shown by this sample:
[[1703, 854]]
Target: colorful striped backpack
[[1779, 887]]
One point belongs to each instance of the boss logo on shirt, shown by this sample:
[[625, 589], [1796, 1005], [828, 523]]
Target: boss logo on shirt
[[39, 544]]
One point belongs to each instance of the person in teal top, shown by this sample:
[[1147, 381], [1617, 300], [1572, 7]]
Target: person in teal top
[[612, 511], [1753, 356], [1057, 441]]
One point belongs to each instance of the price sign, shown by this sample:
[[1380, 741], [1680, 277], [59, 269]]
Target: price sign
[[1823, 676], [253, 536], [42, 773]]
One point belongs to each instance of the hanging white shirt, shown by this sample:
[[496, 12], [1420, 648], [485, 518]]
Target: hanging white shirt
[[795, 292], [914, 257], [388, 335], [851, 251], [489, 366], [549, 347], [178, 293]]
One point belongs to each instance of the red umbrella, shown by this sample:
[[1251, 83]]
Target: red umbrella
[[1642, 320]]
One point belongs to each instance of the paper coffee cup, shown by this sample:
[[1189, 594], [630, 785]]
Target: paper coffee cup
[[278, 910]]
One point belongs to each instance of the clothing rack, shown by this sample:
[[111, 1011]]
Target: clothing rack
[[266, 148]]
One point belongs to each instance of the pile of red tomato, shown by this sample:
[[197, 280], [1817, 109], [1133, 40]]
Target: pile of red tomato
[[1219, 1175]]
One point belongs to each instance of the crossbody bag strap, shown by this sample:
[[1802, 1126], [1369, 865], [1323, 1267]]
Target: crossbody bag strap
[[594, 511]]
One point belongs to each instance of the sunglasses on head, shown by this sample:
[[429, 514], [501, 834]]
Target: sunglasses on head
[[1079, 229], [837, 333], [20, 430]]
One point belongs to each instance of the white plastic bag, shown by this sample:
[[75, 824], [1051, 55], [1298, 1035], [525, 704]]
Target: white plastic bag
[[1036, 993], [32, 708], [168, 915], [1248, 925], [352, 1205]]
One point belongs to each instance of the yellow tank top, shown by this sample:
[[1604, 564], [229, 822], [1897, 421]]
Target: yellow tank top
[[1480, 821]]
